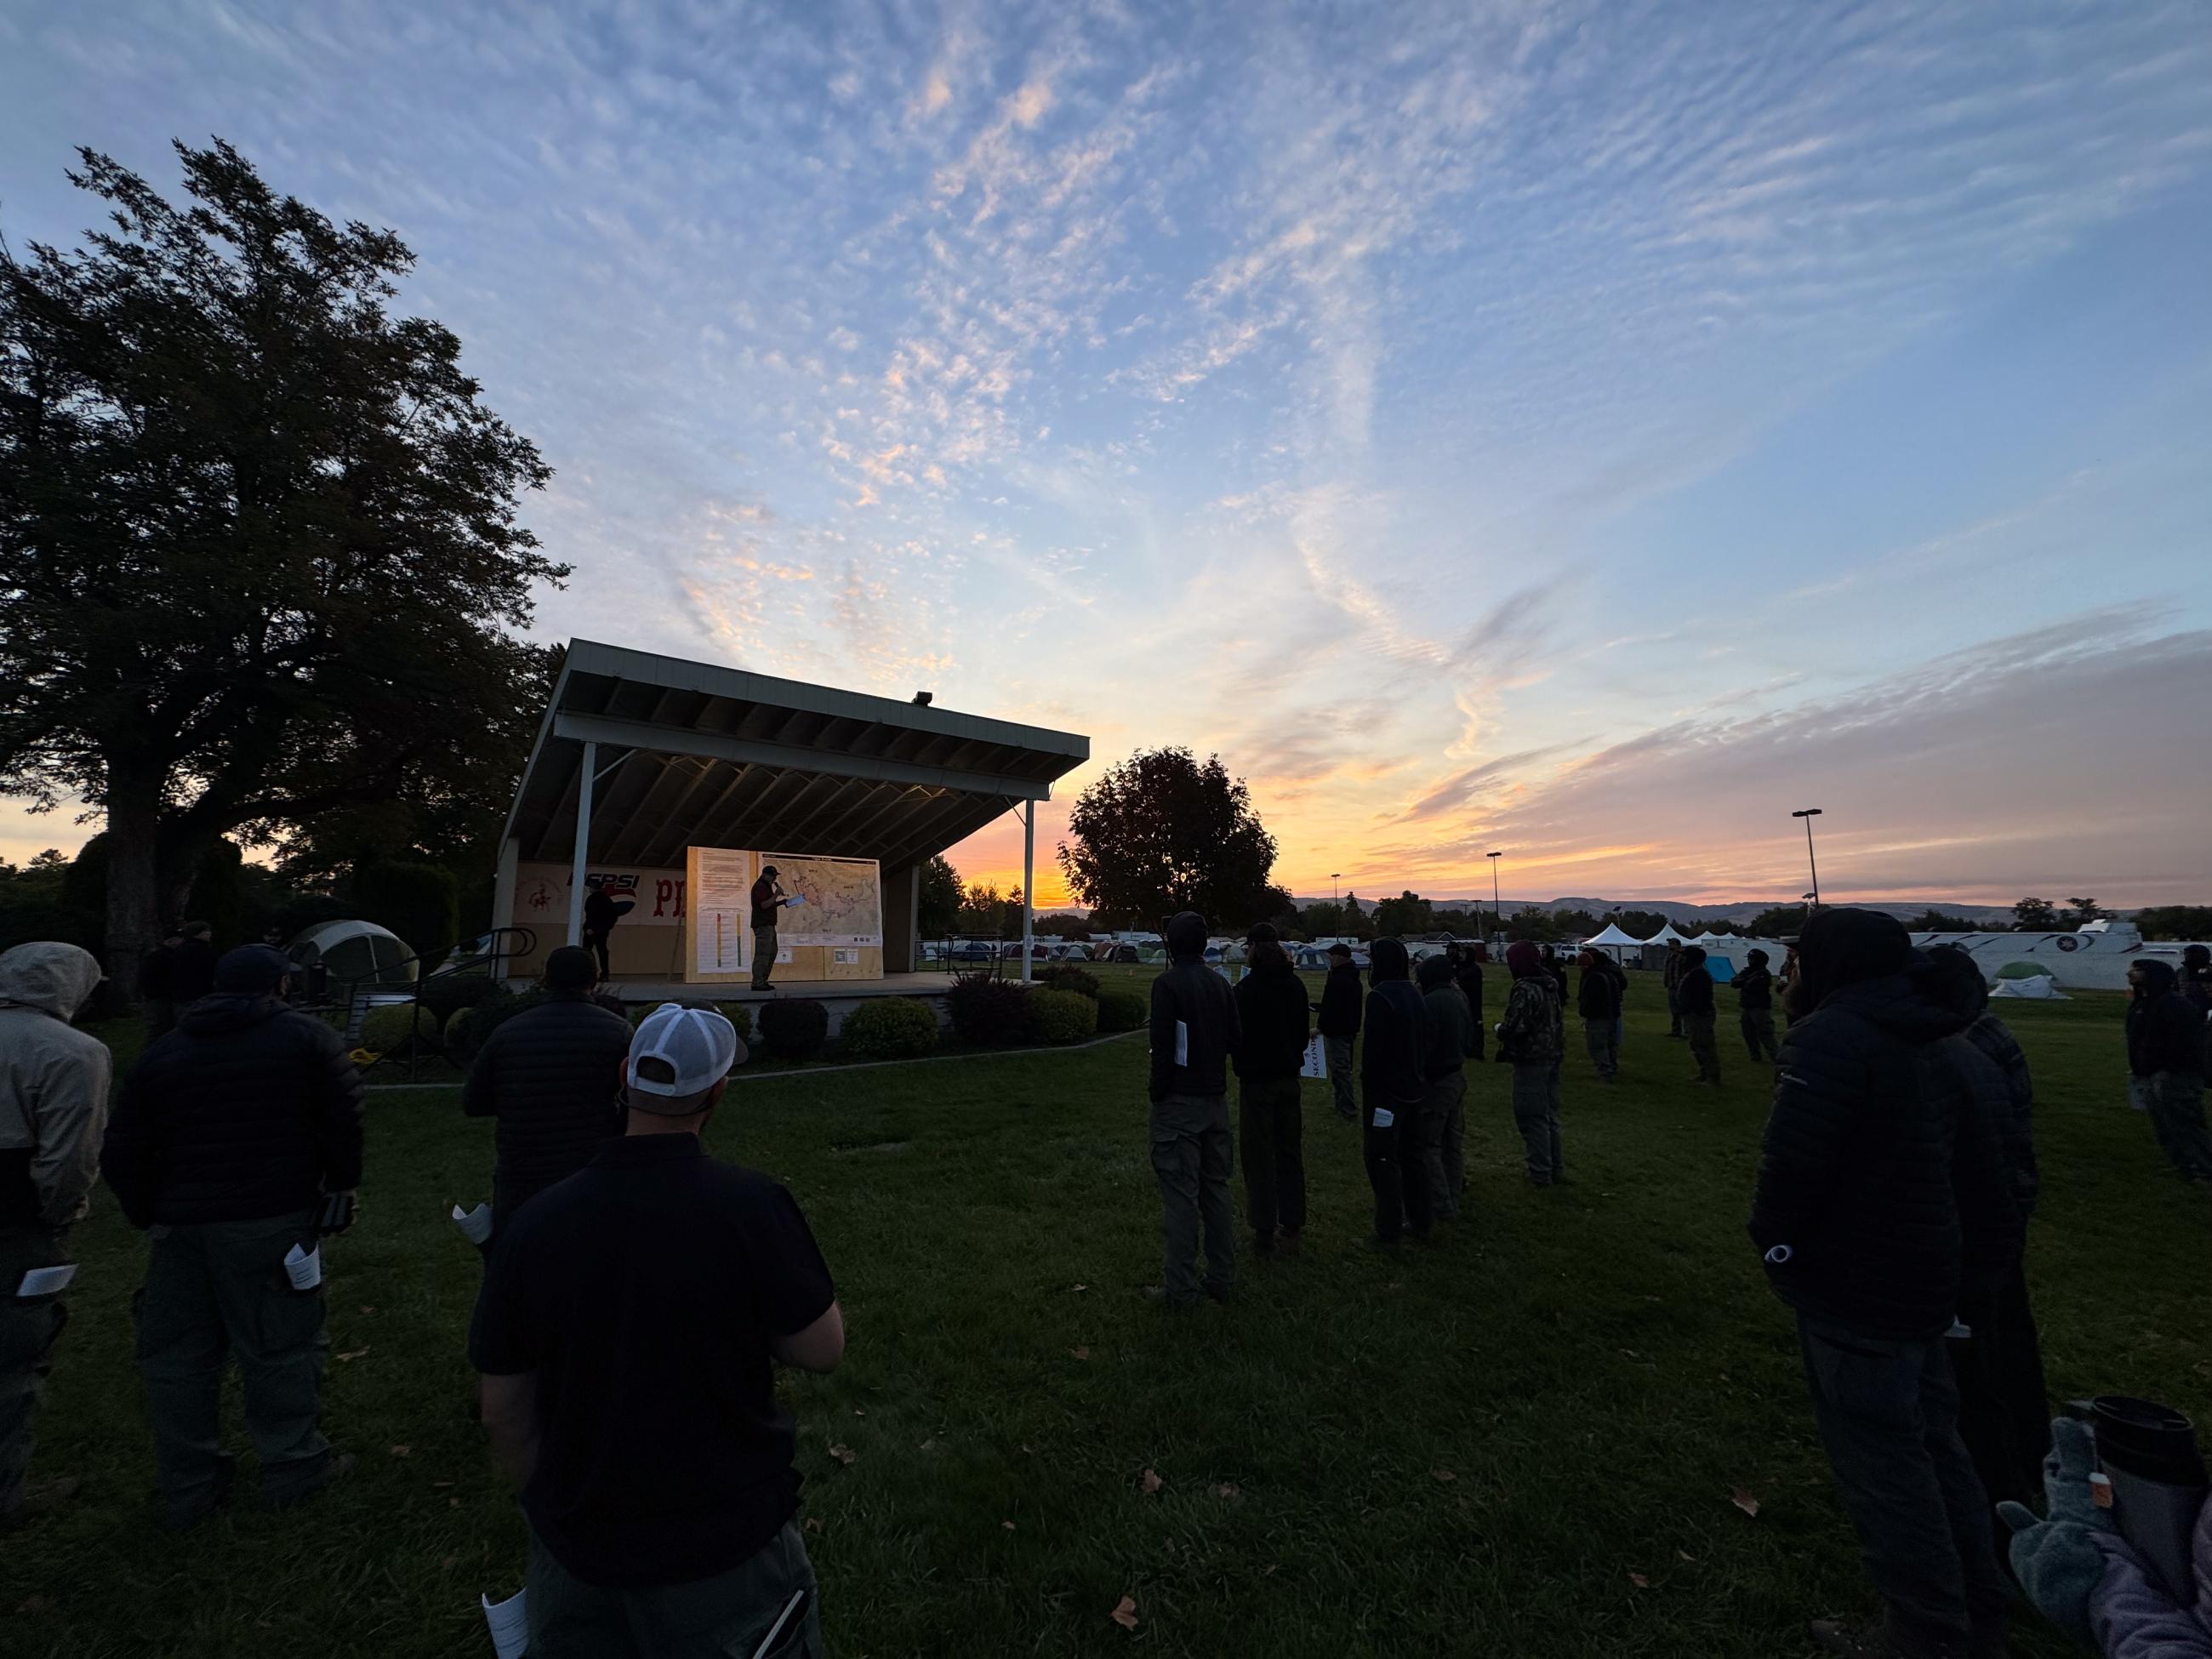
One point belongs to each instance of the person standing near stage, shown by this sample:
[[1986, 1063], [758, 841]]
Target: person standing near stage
[[551, 1077], [1392, 1054], [1603, 988], [53, 1108], [1339, 1008], [1531, 1039], [1271, 1051], [1443, 1106], [1194, 1030], [767, 901], [1672, 981], [1693, 999], [601, 913], [1754, 995]]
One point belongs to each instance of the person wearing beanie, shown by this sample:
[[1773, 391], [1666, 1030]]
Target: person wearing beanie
[[231, 1133], [2166, 1056], [551, 1078], [1882, 1206], [1754, 995], [53, 1106], [1531, 1039], [1467, 973], [1392, 1057], [1271, 1053], [1444, 1071], [1194, 1030], [1693, 998], [1603, 988], [626, 1341], [1339, 1010]]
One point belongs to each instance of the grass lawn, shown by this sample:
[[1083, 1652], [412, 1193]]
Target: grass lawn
[[1522, 1440]]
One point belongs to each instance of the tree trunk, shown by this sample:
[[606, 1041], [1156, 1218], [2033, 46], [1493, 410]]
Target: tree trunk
[[134, 916]]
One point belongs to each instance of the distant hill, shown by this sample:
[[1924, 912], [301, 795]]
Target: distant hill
[[1737, 910]]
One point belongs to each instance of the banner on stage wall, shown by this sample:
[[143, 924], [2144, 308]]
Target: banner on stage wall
[[643, 897], [721, 901]]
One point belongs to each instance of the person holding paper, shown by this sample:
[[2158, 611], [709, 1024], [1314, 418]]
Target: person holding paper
[[766, 899], [1341, 997], [1449, 1039], [53, 1106], [631, 1322], [231, 1132], [551, 1077], [1194, 1030], [1271, 1019], [1392, 1059]]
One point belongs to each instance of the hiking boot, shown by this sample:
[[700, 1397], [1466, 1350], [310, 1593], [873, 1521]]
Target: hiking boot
[[1158, 1295], [337, 1469], [1286, 1241], [40, 1500], [1223, 1294]]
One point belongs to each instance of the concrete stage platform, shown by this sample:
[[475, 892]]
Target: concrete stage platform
[[839, 996]]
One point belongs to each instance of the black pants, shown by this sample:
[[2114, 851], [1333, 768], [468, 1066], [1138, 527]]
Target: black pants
[[1393, 1149], [596, 942], [2004, 1406], [28, 1332], [1888, 1414], [1271, 1131]]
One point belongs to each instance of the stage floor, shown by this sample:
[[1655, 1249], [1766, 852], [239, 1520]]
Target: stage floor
[[630, 989]]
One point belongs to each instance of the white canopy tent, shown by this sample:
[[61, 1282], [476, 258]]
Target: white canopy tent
[[1667, 935], [1615, 941]]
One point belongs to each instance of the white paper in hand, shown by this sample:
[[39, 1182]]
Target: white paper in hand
[[794, 901], [475, 1224], [1317, 1061], [1384, 1117], [44, 1281], [304, 1268], [510, 1626], [1182, 1043]]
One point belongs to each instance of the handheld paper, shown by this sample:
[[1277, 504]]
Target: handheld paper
[[304, 1268], [509, 1624], [44, 1281], [1182, 1043], [475, 1224]]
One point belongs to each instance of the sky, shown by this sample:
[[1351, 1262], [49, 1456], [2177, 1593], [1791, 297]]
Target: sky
[[1589, 431]]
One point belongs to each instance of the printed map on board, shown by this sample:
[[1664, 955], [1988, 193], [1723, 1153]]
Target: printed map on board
[[844, 900]]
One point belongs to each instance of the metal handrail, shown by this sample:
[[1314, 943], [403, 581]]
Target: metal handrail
[[502, 944]]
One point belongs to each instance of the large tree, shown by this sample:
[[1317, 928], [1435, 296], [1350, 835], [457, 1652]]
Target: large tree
[[259, 559], [1162, 832], [936, 908], [2035, 915]]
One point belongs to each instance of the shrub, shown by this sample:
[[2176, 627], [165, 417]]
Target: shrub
[[738, 1015], [1121, 1010], [892, 1028], [1069, 977], [443, 995], [794, 1028], [992, 1013], [1063, 1016], [387, 1028], [477, 1024]]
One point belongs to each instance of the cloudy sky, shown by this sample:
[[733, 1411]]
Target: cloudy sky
[[1585, 429]]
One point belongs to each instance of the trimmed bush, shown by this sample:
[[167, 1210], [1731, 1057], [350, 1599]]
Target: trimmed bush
[[992, 1013], [385, 1029], [892, 1028], [740, 1015], [1069, 977], [1063, 1016], [794, 1028], [477, 1024], [1121, 1010], [443, 995]]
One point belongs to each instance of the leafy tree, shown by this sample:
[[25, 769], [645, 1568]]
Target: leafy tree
[[1575, 924], [1402, 917], [1162, 833], [258, 534], [937, 907], [1322, 920], [2168, 921], [983, 910], [2081, 911], [2035, 915], [1782, 922], [1936, 921]]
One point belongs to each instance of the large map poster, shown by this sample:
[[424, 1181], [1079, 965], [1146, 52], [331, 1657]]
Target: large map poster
[[840, 901]]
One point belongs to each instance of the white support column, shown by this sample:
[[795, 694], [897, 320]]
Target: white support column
[[502, 896], [1028, 878], [584, 781]]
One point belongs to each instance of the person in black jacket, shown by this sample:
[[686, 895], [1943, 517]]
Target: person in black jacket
[[1194, 1032], [231, 1132], [551, 1075], [1467, 973], [2165, 1053], [1271, 1051], [2195, 984], [1882, 1201], [1391, 1057], [1754, 996], [1672, 979], [601, 912], [1693, 998], [1339, 1008], [1532, 1040], [1558, 970], [157, 978], [1444, 1070], [1599, 1002]]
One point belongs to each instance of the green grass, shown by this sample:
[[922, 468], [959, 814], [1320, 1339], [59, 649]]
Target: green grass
[[1597, 1366]]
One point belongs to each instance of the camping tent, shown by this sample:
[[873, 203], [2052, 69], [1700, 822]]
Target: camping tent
[[1667, 935], [2039, 988], [1614, 941]]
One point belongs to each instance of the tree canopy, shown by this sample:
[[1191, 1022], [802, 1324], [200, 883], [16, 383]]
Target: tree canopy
[[1162, 832], [258, 533]]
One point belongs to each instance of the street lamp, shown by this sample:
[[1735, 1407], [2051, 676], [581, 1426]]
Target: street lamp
[[1496, 909], [1808, 814], [1334, 897]]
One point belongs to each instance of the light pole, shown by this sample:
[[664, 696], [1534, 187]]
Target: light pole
[[1808, 814], [1496, 909], [1334, 897]]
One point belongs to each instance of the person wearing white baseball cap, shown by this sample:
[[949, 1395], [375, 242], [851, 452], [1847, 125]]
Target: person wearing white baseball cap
[[630, 1323]]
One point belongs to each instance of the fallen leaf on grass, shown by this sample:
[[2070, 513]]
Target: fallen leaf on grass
[[1229, 1491], [1026, 1452], [1686, 1556], [813, 1523], [929, 1444], [366, 1309], [1443, 1475], [857, 1412], [448, 1563], [1080, 1353], [38, 1604], [353, 1353], [442, 1484], [1639, 1581], [1080, 1287], [1008, 1525], [1125, 1613], [403, 1452], [1744, 1501], [844, 1454], [1152, 1483]]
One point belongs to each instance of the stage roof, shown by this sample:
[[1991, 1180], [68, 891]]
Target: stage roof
[[696, 754]]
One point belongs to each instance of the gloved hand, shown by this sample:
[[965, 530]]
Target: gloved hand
[[2057, 1559]]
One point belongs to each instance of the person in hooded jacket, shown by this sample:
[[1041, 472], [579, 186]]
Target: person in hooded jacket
[[1340, 1012], [230, 1133], [1444, 1070], [2166, 1054], [2195, 984], [1391, 1061], [1194, 1032], [1883, 1206], [1672, 979], [53, 1106], [1754, 997], [1532, 1040], [1271, 1051], [1467, 973], [1694, 996], [1603, 987]]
